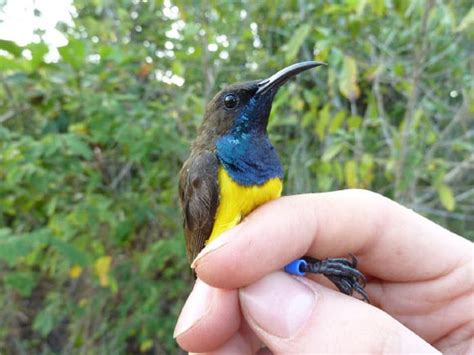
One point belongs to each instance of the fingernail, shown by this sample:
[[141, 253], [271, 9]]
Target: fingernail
[[217, 243], [279, 304], [195, 308]]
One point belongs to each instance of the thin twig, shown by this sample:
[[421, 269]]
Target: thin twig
[[123, 172], [460, 114], [450, 177], [7, 115], [381, 110], [446, 214]]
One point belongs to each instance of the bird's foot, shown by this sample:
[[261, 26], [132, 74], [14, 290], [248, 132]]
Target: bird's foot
[[342, 272]]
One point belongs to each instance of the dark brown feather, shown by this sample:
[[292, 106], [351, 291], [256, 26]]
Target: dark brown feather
[[198, 185], [199, 195]]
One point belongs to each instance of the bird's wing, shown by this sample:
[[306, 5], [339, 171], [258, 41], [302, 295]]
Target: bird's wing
[[199, 194]]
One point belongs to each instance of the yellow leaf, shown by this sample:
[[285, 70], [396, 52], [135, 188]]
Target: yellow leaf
[[350, 170], [348, 79], [146, 345], [83, 302], [322, 122], [322, 50], [337, 121], [417, 118], [78, 128], [297, 103], [431, 137], [354, 122], [75, 272], [446, 197], [102, 268], [378, 7], [308, 117], [366, 170]]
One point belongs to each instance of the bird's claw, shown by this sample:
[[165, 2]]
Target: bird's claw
[[342, 272]]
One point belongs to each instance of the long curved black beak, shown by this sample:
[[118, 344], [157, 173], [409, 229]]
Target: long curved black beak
[[281, 77]]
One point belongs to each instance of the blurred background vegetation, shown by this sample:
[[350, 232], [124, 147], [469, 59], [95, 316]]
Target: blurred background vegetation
[[93, 134]]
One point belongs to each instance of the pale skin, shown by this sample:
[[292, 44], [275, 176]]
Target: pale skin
[[421, 282]]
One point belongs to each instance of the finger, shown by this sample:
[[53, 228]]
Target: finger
[[235, 345], [392, 242], [209, 318], [242, 342], [297, 315], [431, 308]]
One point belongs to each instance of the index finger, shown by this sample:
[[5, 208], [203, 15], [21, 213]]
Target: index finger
[[391, 242]]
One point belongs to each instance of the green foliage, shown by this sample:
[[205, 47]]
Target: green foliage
[[296, 41], [91, 250]]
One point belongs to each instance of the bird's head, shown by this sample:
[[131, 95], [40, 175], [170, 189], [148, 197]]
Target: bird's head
[[245, 107]]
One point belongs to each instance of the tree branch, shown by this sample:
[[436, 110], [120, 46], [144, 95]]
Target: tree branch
[[420, 57]]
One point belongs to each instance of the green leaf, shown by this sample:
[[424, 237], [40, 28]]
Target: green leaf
[[74, 53], [77, 146], [44, 321], [366, 170], [322, 122], [331, 152], [294, 44], [178, 68], [11, 47], [466, 22], [23, 282], [446, 197], [146, 345], [350, 172], [72, 254], [7, 64], [15, 246], [354, 122], [378, 7], [308, 118], [38, 50], [337, 122], [348, 79]]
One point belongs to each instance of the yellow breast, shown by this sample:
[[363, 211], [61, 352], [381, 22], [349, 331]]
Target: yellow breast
[[237, 201]]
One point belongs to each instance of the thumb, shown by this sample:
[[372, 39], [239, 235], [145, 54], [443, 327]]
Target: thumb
[[292, 314]]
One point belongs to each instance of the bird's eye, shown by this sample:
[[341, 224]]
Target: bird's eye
[[231, 101]]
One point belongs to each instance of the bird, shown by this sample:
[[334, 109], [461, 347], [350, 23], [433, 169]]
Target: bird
[[233, 168]]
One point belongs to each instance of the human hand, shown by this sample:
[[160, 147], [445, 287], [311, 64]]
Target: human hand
[[420, 282]]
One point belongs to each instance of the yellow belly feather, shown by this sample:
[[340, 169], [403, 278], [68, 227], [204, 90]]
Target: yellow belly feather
[[237, 201]]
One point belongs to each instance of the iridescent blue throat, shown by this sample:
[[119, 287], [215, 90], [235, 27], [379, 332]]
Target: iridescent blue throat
[[246, 152]]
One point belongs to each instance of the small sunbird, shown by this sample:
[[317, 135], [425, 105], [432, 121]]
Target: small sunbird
[[233, 168]]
